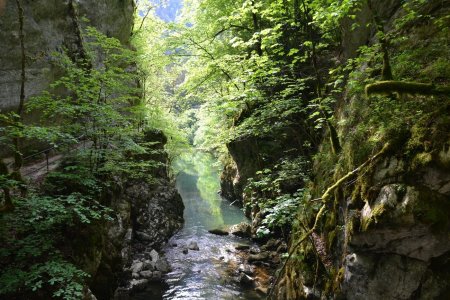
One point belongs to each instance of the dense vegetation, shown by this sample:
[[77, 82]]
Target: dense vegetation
[[274, 76], [95, 115], [273, 73], [305, 115]]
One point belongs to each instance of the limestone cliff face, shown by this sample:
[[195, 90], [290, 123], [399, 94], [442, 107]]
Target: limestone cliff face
[[385, 235], [146, 215], [50, 26], [146, 210]]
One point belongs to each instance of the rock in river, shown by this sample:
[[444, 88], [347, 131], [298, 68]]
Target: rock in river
[[241, 230], [218, 231], [193, 246]]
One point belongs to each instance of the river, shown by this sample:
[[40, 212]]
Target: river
[[210, 272]]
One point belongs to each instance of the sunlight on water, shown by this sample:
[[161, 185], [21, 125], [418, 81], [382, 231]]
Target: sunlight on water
[[207, 273]]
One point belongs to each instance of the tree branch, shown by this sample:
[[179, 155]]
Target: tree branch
[[325, 199], [199, 46]]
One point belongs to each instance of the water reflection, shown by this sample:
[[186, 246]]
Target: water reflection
[[207, 273]]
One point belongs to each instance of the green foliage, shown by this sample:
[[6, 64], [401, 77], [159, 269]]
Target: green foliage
[[92, 100], [159, 77], [282, 214], [276, 194], [95, 104], [31, 240]]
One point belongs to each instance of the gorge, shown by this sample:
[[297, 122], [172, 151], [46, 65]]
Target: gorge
[[211, 149]]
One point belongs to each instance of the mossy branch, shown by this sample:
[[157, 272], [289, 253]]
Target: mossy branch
[[325, 199], [401, 87]]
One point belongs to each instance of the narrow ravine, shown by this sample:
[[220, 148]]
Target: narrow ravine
[[211, 271]]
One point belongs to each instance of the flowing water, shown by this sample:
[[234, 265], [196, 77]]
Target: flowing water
[[210, 272]]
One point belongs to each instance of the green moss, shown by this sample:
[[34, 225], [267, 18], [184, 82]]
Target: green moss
[[421, 160], [330, 222], [331, 237], [338, 279], [391, 86], [376, 212]]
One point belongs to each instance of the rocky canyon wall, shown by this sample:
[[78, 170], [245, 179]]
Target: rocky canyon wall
[[51, 26]]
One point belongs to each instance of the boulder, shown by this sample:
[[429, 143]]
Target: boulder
[[154, 256], [162, 265], [246, 280], [137, 267], [193, 246], [262, 290], [241, 247], [157, 275], [218, 231], [271, 244], [246, 269], [138, 284], [241, 230], [146, 274], [263, 256]]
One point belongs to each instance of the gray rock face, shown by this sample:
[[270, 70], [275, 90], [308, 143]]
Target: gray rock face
[[48, 27], [393, 223], [393, 254], [386, 277], [354, 38], [158, 212]]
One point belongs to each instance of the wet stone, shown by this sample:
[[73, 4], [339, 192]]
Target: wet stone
[[154, 255], [137, 267], [162, 265], [138, 284], [148, 265], [262, 290], [157, 275], [272, 244], [246, 280], [241, 230], [246, 269], [193, 246], [218, 231], [263, 256], [254, 250], [146, 274], [241, 247]]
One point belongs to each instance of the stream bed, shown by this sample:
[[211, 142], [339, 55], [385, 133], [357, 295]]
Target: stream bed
[[210, 272]]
